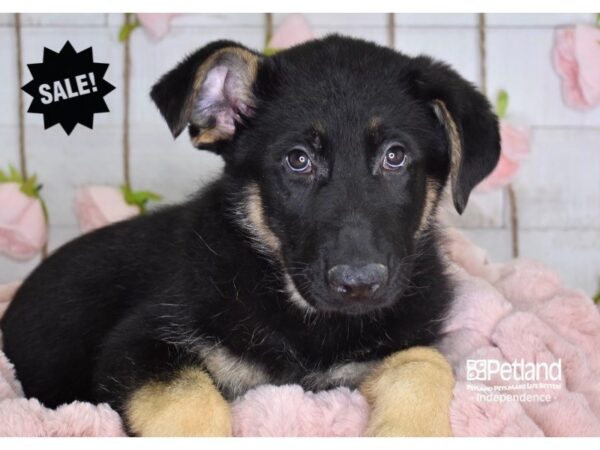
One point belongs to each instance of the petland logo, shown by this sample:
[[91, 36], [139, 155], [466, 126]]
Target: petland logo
[[519, 371], [520, 381]]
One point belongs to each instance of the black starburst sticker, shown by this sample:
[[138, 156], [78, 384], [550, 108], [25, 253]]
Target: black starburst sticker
[[68, 88]]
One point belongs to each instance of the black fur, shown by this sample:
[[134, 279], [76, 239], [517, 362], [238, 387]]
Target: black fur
[[136, 301]]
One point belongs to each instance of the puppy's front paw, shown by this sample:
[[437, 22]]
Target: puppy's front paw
[[410, 394], [189, 405]]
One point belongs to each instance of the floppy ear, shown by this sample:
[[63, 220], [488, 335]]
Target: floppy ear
[[470, 124], [210, 90]]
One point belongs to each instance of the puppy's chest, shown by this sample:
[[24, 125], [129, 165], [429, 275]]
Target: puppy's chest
[[234, 374]]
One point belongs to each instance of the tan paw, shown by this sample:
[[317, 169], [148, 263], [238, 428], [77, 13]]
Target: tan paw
[[410, 394], [189, 405]]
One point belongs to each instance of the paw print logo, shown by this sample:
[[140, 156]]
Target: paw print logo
[[476, 370]]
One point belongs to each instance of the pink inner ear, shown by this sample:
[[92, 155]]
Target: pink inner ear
[[220, 103]]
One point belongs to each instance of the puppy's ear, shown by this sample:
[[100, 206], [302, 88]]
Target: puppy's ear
[[469, 122], [210, 90]]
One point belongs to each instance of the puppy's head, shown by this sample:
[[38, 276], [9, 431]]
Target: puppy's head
[[338, 150]]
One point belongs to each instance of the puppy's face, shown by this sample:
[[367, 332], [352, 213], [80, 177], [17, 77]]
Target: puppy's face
[[339, 150]]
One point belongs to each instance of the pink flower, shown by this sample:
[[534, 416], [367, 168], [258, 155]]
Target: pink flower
[[157, 25], [576, 57], [515, 145], [23, 228], [98, 206], [293, 30]]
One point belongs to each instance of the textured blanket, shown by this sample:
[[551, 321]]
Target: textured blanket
[[505, 314]]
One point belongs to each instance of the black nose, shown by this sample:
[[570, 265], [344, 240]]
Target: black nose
[[357, 282]]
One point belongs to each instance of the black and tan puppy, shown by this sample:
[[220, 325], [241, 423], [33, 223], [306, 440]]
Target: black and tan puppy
[[314, 256]]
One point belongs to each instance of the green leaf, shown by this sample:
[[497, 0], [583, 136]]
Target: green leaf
[[598, 19], [15, 175], [139, 198], [596, 298], [148, 196], [127, 29], [270, 51], [27, 189], [126, 190], [502, 104], [30, 187]]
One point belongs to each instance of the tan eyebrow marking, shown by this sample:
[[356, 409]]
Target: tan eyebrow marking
[[373, 127], [318, 131], [318, 127], [375, 122]]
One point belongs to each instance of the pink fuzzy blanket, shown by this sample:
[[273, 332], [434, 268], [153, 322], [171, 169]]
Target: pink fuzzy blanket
[[504, 313]]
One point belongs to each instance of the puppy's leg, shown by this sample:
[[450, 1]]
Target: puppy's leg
[[187, 405], [157, 388], [410, 395]]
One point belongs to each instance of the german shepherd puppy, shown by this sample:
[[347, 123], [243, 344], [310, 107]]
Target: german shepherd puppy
[[314, 256]]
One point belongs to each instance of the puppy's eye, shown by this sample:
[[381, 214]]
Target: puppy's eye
[[299, 161], [395, 157]]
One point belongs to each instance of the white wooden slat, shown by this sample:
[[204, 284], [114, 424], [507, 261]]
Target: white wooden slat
[[212, 20], [9, 147], [483, 210], [106, 49], [63, 19], [174, 169], [60, 235], [115, 20], [10, 270], [519, 60], [9, 89], [458, 47], [535, 20], [255, 19], [340, 20], [435, 20], [13, 270], [219, 20], [559, 183], [373, 34], [64, 163], [6, 19], [573, 254], [496, 242]]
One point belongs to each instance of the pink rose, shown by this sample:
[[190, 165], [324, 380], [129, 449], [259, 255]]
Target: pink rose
[[576, 57], [515, 145], [98, 206], [293, 30], [23, 228], [157, 25]]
